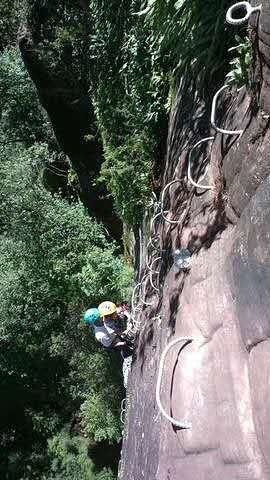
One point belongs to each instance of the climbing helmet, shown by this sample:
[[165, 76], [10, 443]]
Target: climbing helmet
[[106, 308], [91, 315]]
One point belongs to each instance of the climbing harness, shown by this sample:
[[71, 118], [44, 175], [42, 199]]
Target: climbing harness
[[177, 423], [198, 185], [152, 272], [237, 6], [164, 212], [213, 115]]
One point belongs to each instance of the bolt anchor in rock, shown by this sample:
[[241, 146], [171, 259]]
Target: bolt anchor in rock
[[181, 259], [239, 6]]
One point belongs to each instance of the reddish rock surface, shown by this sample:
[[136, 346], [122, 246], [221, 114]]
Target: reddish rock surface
[[220, 382]]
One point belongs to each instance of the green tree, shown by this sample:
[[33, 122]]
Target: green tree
[[46, 246], [22, 117]]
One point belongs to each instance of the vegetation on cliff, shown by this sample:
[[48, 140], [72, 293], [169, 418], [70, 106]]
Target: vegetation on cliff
[[128, 60]]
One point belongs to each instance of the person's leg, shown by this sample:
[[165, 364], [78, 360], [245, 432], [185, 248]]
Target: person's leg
[[125, 349], [118, 345]]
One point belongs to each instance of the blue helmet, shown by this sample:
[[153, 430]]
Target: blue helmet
[[91, 315]]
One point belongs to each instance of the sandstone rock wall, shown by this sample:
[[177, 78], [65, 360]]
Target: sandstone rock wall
[[220, 382]]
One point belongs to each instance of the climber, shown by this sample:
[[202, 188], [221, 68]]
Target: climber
[[123, 312], [115, 319], [107, 327]]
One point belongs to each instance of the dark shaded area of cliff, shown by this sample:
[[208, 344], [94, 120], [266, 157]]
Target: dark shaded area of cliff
[[220, 382]]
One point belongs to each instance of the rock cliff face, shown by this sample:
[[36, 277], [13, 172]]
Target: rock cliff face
[[220, 382]]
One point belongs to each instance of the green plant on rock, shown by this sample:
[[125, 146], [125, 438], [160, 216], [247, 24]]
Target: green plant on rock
[[239, 74], [126, 171], [190, 38], [139, 51]]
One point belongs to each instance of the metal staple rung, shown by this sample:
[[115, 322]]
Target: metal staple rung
[[133, 296], [153, 223], [144, 293], [153, 232], [152, 272], [213, 115], [198, 185], [147, 261], [177, 423], [150, 265], [151, 244], [164, 212], [237, 6], [123, 410]]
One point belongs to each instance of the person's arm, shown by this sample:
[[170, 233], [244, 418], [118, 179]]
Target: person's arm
[[105, 338]]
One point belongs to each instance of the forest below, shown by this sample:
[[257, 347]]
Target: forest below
[[86, 89]]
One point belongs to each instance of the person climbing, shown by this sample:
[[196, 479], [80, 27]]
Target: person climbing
[[107, 327], [123, 312], [114, 319]]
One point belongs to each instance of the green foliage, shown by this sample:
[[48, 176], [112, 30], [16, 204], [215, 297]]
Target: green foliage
[[69, 458], [129, 98], [240, 64], [103, 372], [105, 276], [126, 172], [63, 29], [54, 262], [11, 12], [106, 474], [137, 57], [100, 416], [22, 118], [190, 38], [48, 366]]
